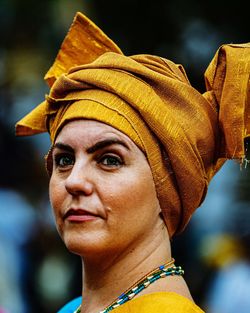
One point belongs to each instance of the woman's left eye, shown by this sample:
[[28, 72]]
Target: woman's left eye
[[111, 161]]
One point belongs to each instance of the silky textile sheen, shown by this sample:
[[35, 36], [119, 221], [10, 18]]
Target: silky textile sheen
[[185, 135]]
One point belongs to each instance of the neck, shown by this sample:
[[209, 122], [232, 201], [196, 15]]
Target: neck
[[107, 276]]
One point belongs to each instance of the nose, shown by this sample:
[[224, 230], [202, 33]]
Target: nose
[[78, 182]]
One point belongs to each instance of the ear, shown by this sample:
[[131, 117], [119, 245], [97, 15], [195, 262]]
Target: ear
[[83, 44], [49, 162]]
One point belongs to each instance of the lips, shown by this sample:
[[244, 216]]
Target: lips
[[79, 215]]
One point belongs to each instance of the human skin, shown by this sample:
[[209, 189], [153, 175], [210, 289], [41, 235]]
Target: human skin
[[106, 209]]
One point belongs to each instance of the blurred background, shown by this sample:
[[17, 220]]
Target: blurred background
[[37, 274]]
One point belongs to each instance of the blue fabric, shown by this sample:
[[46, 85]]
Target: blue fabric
[[71, 306]]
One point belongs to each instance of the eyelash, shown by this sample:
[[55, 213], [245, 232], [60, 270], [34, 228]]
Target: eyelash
[[60, 156], [116, 161], [115, 158]]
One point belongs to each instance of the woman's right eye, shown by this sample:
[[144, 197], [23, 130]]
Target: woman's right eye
[[63, 160]]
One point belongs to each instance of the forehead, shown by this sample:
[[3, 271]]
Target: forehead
[[88, 131]]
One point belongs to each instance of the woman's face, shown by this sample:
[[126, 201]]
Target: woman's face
[[101, 189]]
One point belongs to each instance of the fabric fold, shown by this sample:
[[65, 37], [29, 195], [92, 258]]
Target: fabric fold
[[228, 79]]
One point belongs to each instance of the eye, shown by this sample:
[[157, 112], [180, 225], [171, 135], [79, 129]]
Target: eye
[[110, 161], [63, 160]]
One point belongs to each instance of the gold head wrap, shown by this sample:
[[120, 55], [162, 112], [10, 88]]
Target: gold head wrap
[[185, 135]]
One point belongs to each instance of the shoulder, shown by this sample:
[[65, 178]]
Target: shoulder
[[159, 302], [71, 306]]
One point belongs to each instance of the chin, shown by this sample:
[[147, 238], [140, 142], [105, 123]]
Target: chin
[[85, 244]]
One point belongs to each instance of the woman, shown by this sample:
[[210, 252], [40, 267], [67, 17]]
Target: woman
[[134, 147]]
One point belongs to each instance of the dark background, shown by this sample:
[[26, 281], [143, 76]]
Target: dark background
[[37, 273]]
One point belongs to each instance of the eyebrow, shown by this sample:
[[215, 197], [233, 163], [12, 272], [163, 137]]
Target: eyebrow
[[62, 146], [97, 146], [105, 143]]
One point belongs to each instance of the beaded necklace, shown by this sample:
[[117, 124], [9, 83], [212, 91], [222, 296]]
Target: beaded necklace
[[159, 272]]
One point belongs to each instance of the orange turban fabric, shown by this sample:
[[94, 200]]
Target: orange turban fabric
[[185, 135]]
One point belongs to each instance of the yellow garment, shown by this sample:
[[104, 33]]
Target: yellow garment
[[159, 302], [185, 135]]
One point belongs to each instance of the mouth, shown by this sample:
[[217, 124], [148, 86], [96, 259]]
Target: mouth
[[79, 215]]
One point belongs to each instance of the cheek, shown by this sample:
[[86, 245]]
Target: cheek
[[57, 198], [133, 198], [53, 193]]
